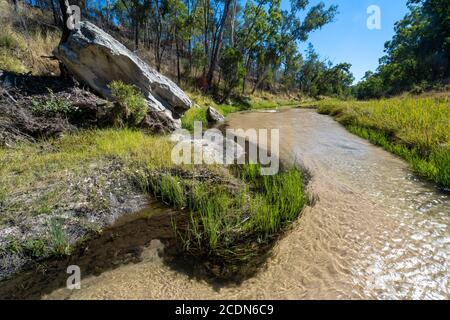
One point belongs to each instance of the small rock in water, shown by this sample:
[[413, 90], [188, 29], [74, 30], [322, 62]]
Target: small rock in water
[[213, 116]]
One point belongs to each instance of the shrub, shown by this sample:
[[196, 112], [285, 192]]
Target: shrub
[[132, 103], [192, 115]]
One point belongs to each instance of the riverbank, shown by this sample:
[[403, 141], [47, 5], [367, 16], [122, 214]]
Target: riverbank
[[58, 192], [415, 128], [375, 231]]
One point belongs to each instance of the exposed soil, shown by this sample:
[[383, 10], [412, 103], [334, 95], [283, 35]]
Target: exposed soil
[[19, 92]]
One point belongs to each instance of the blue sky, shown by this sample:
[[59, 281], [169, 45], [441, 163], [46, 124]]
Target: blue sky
[[348, 39]]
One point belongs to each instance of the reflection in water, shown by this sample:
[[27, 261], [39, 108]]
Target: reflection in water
[[376, 231]]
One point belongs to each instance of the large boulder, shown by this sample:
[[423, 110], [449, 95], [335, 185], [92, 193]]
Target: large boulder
[[96, 58]]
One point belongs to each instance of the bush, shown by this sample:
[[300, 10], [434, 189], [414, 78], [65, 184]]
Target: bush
[[131, 101], [192, 115]]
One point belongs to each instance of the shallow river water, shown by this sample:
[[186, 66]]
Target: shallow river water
[[376, 232]]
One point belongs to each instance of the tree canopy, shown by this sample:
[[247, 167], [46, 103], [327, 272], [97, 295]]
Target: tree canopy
[[417, 58], [222, 46]]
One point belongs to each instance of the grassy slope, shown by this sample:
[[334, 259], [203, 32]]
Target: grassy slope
[[414, 128], [25, 50]]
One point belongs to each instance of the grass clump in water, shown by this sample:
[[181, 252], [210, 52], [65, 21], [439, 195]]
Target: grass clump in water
[[231, 217], [414, 128]]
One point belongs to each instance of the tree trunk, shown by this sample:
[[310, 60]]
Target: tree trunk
[[178, 60], [56, 17], [136, 34], [218, 46], [247, 67], [205, 31], [64, 5], [260, 78], [233, 22]]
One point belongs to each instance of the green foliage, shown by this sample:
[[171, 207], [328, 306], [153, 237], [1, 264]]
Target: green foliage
[[199, 59], [132, 103], [232, 69], [192, 115], [370, 87], [51, 107], [170, 190], [36, 247], [321, 78], [58, 239], [418, 56]]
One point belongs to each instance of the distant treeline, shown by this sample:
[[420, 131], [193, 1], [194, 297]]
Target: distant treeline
[[417, 58], [231, 46], [238, 46]]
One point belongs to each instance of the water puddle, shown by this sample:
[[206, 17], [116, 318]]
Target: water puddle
[[134, 238]]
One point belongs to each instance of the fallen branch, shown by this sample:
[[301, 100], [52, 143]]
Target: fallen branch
[[8, 95]]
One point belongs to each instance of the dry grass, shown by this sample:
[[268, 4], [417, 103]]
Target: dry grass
[[27, 38]]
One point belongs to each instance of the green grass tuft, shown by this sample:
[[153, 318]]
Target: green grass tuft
[[231, 223]]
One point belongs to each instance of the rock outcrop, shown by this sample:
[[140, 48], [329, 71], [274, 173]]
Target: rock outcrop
[[96, 58]]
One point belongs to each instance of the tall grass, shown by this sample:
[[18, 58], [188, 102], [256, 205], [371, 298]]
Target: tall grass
[[192, 115], [414, 128], [230, 224], [23, 49]]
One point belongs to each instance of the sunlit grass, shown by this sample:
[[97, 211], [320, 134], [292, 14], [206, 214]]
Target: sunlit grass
[[415, 128], [192, 115], [51, 164], [226, 221]]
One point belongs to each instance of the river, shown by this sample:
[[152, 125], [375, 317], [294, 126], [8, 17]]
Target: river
[[375, 231]]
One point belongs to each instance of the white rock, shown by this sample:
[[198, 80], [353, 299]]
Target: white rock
[[96, 58]]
